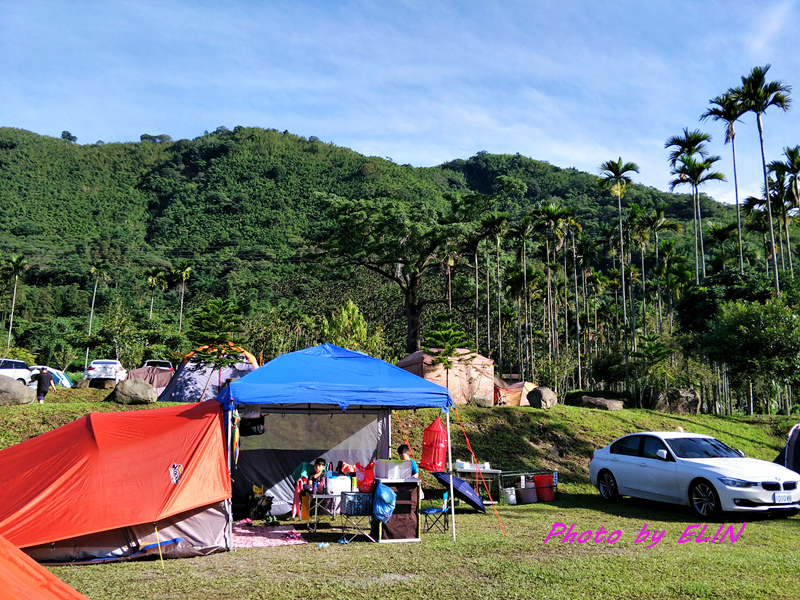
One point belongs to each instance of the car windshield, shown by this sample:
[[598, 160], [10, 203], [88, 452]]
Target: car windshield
[[700, 448]]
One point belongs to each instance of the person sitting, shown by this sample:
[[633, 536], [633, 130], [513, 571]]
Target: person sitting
[[404, 452], [304, 477], [315, 483]]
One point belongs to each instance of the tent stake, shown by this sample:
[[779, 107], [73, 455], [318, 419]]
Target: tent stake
[[158, 543]]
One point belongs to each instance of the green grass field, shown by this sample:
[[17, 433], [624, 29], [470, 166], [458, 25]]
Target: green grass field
[[487, 559]]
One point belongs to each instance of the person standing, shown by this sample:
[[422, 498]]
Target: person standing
[[44, 381]]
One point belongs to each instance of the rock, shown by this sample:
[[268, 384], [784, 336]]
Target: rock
[[13, 392], [679, 401], [601, 403], [134, 391], [82, 384], [482, 401], [542, 397], [102, 384]]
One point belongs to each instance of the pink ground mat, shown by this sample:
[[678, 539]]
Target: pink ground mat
[[261, 536]]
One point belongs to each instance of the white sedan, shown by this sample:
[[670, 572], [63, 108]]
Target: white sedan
[[693, 470], [105, 369]]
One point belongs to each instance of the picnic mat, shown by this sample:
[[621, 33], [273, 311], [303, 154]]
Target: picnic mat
[[260, 536]]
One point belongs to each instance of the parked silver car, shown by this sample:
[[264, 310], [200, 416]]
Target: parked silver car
[[16, 369], [105, 369]]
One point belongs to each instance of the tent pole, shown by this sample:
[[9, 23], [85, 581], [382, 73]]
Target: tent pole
[[450, 462], [229, 503]]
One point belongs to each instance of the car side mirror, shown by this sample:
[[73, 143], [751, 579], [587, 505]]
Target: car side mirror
[[662, 454]]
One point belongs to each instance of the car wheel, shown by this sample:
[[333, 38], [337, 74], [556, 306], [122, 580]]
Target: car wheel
[[704, 499], [22, 381], [607, 486]]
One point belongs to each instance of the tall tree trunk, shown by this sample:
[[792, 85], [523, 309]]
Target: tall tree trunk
[[488, 306], [700, 234], [477, 300], [91, 317], [413, 311], [624, 307], [644, 294], [694, 224], [738, 215], [577, 313], [524, 309], [499, 315], [180, 317], [769, 208], [11, 317], [788, 243]]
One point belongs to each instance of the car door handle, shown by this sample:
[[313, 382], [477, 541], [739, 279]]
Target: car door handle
[[614, 460], [642, 464]]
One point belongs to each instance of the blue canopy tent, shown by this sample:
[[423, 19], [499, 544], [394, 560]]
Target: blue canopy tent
[[301, 394]]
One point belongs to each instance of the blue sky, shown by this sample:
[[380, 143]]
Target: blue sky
[[421, 82]]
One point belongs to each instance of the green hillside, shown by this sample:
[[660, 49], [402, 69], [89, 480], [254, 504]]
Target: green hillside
[[509, 438], [522, 256]]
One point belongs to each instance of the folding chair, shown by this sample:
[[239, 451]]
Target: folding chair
[[436, 518], [356, 516]]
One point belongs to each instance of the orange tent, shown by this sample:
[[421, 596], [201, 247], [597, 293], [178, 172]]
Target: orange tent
[[22, 577], [515, 394], [115, 475]]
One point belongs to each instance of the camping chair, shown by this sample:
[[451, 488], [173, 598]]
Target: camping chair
[[436, 518], [356, 516]]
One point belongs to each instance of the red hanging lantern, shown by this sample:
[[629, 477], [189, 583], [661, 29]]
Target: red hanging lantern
[[434, 447]]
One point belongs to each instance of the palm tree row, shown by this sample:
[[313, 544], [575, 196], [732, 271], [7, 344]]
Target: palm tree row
[[558, 270], [755, 95]]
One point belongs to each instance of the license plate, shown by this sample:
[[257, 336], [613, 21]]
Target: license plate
[[782, 498]]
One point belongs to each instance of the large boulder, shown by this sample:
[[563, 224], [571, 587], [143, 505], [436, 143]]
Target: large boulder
[[601, 403], [13, 392], [482, 401], [679, 401], [542, 397], [134, 391]]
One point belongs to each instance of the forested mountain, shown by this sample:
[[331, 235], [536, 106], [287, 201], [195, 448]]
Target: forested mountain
[[290, 229]]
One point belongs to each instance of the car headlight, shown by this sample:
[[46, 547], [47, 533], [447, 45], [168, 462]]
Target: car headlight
[[737, 483]]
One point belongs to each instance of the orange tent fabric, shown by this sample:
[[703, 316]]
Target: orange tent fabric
[[22, 577], [110, 470], [232, 350]]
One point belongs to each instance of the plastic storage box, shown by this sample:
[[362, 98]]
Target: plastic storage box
[[393, 469]]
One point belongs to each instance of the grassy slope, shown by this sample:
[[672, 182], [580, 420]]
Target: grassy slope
[[762, 563]]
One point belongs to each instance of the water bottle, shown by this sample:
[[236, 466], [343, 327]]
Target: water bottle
[[354, 484], [315, 488]]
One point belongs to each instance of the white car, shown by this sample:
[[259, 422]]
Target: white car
[[693, 470], [16, 369], [164, 365], [105, 369]]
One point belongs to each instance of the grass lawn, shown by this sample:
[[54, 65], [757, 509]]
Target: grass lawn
[[764, 562]]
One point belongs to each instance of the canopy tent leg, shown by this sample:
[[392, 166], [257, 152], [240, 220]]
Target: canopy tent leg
[[229, 502], [450, 468]]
